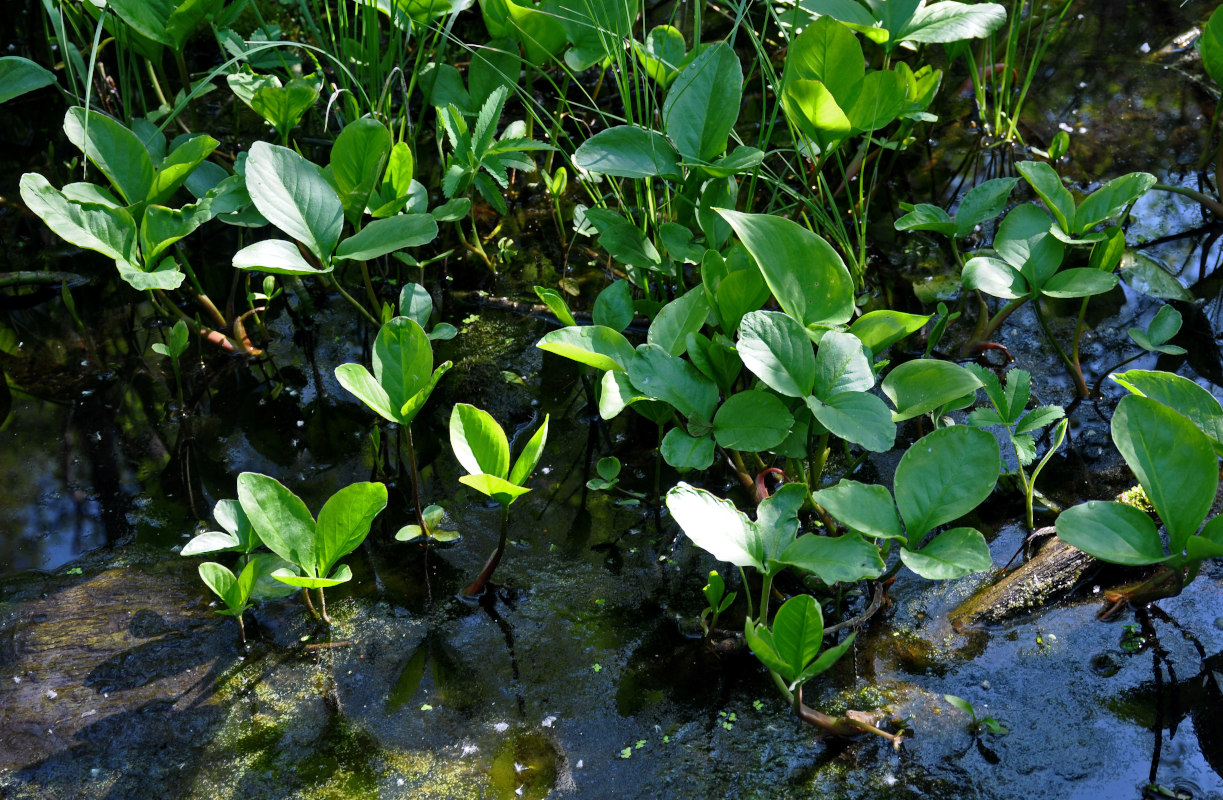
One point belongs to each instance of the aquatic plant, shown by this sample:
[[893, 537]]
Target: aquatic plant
[[481, 447], [1010, 411], [402, 381], [1168, 431], [314, 548]]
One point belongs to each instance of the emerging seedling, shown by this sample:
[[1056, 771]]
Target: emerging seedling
[[978, 723], [483, 450]]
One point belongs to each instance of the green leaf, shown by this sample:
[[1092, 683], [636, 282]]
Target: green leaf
[[827, 659], [1111, 199], [804, 273], [223, 584], [983, 202], [798, 632], [113, 149], [943, 476], [1210, 45], [161, 227], [684, 315], [594, 345], [926, 217], [879, 329], [20, 75], [497, 488], [280, 518], [344, 522], [1181, 394], [703, 103], [613, 307], [716, 359], [402, 360], [416, 304], [1026, 242], [628, 245], [1079, 282], [715, 526], [835, 559], [556, 304], [358, 159], [952, 554], [1172, 459], [924, 385], [829, 53], [365, 387], [1112, 532], [341, 575], [627, 151], [777, 351], [210, 542], [478, 441], [662, 53], [1151, 277], [1165, 325], [880, 99], [1048, 185], [284, 106], [662, 376], [109, 231], [164, 276], [275, 256], [686, 452], [179, 165], [529, 457], [856, 417], [413, 405], [841, 365], [739, 293], [1208, 543], [1038, 418], [294, 196], [777, 519], [382, 236], [948, 21], [865, 508], [752, 421], [995, 277]]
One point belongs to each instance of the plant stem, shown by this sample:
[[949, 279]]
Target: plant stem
[[998, 319], [476, 587], [364, 312], [420, 516], [1079, 384], [309, 603], [1206, 200], [322, 602]]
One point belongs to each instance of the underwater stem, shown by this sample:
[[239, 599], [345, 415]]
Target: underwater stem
[[476, 587]]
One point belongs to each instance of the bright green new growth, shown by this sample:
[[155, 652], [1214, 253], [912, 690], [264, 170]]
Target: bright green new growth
[[791, 648], [286, 526], [481, 447], [234, 591]]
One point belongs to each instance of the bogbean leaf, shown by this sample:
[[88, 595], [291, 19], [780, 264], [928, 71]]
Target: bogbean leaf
[[365, 387], [416, 304], [686, 452], [798, 633], [777, 519], [865, 508], [594, 345], [716, 526], [703, 103], [1181, 394], [342, 575], [1172, 459], [613, 307], [358, 159], [497, 488], [775, 348], [1210, 45], [841, 365], [1025, 242], [556, 304], [179, 165], [927, 217], [275, 256], [1111, 199], [949, 21], [952, 554], [109, 231], [627, 151], [1113, 532], [1045, 180], [382, 236], [344, 522], [280, 518], [856, 417], [943, 476], [20, 75], [661, 376], [879, 329], [804, 273], [529, 457], [113, 149], [402, 360], [752, 421], [413, 405], [924, 385], [995, 277], [1080, 282], [983, 202], [684, 315], [294, 196], [835, 559], [478, 442]]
